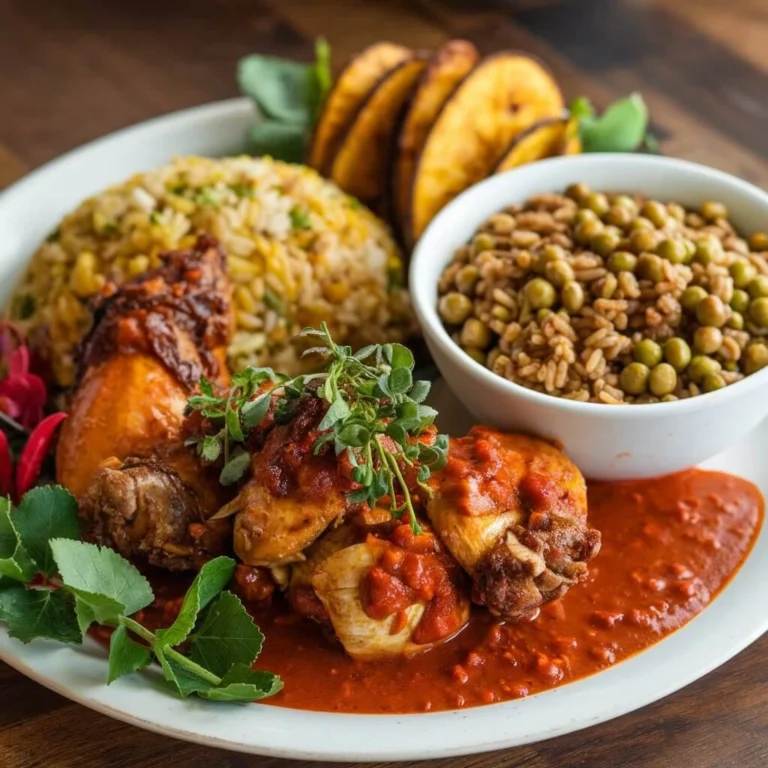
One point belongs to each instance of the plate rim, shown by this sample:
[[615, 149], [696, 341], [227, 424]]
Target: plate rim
[[299, 734]]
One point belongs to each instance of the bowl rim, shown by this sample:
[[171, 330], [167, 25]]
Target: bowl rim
[[455, 210]]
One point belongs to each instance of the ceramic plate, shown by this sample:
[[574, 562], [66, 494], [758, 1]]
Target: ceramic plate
[[28, 211]]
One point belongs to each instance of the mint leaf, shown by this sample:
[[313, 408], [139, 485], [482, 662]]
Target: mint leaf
[[98, 575], [226, 636], [254, 411], [242, 683], [92, 607], [208, 583], [337, 411], [183, 680], [125, 655], [621, 128], [419, 391], [15, 562], [32, 613], [45, 513]]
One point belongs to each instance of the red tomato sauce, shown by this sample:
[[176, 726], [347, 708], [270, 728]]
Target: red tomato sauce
[[669, 546]]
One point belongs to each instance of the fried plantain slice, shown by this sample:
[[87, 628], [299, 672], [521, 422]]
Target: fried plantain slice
[[352, 87], [360, 165], [547, 138], [505, 94], [450, 64]]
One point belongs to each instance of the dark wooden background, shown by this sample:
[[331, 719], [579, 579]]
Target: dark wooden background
[[72, 70]]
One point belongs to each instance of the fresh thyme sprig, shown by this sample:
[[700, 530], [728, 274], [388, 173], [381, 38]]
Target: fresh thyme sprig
[[375, 415]]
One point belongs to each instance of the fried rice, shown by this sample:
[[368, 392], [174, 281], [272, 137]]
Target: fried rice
[[299, 251]]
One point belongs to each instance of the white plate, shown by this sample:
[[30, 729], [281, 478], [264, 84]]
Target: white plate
[[738, 617]]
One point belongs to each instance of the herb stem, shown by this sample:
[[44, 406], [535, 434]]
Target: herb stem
[[138, 629], [415, 527]]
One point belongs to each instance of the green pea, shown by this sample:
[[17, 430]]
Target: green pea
[[550, 253], [677, 353], [643, 240], [755, 357], [622, 261], [483, 242], [466, 278], [598, 203], [712, 381], [634, 378], [707, 340], [701, 366], [542, 315], [476, 354], [691, 297], [758, 311], [559, 273], [662, 380], [676, 211], [712, 210], [584, 214], [711, 311], [742, 273], [690, 249], [708, 250], [739, 300], [475, 333], [605, 243], [672, 250], [655, 212], [586, 231], [540, 293], [758, 286], [736, 321], [640, 223], [650, 267], [577, 192], [626, 202], [572, 296], [648, 352], [758, 241], [455, 308], [619, 216]]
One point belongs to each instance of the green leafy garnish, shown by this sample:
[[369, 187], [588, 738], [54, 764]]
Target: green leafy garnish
[[621, 128], [288, 95], [95, 584], [299, 219], [374, 417]]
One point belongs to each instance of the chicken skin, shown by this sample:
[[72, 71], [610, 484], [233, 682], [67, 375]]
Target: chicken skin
[[122, 450], [513, 511]]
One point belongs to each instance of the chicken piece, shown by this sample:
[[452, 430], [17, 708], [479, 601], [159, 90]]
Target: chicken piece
[[292, 496], [151, 342], [513, 511], [392, 597]]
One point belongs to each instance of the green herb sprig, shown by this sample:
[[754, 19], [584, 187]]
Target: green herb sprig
[[288, 95], [375, 413], [207, 651], [623, 127]]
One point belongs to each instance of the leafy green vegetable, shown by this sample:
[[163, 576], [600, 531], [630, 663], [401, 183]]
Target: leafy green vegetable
[[288, 96], [299, 219], [125, 655], [621, 128], [375, 415], [31, 613], [45, 513], [226, 635], [98, 585], [15, 562], [208, 583]]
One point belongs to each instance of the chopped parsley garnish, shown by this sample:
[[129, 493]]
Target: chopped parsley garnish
[[299, 219]]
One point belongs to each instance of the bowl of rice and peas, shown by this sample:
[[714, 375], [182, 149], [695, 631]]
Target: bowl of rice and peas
[[550, 292]]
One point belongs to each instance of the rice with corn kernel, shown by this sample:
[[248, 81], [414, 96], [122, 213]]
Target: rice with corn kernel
[[299, 251]]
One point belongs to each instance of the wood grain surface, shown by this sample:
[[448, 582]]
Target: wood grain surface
[[73, 70]]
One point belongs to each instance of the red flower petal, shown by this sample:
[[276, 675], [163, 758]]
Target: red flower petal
[[35, 451], [6, 466]]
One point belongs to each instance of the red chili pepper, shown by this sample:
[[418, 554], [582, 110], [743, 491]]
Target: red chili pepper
[[6, 466], [34, 452]]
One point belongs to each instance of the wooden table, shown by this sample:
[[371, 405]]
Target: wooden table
[[72, 70]]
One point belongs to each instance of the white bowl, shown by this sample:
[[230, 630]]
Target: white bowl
[[606, 442]]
